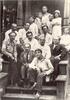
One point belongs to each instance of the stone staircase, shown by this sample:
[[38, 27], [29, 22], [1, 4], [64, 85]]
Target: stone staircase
[[19, 93], [50, 91]]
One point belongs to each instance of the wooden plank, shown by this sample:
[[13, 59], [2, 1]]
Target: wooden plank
[[2, 75], [49, 90], [62, 78], [63, 67], [61, 87], [64, 62], [27, 97]]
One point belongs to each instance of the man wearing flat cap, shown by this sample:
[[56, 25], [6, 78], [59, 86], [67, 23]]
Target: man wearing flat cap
[[9, 50]]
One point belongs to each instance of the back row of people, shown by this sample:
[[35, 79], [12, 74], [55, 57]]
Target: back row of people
[[53, 22]]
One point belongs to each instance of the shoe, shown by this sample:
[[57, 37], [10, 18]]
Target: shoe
[[37, 96], [16, 85]]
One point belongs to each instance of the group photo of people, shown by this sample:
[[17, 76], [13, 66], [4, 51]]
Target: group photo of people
[[35, 50]]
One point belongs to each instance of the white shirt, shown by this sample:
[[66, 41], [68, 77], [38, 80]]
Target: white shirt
[[57, 30], [44, 65], [48, 39], [65, 40], [45, 19], [34, 43], [38, 22], [34, 29], [46, 52], [22, 33], [7, 35]]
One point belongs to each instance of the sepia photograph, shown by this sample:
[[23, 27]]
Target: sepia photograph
[[34, 49]]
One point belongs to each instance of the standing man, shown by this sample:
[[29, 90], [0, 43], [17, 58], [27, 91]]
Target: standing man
[[33, 27], [9, 50], [38, 21], [22, 32], [45, 17]]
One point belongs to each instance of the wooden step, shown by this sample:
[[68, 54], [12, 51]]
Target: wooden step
[[3, 79], [49, 90], [26, 97]]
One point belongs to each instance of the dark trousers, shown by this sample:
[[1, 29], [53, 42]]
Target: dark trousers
[[40, 78], [55, 63], [12, 73], [32, 75]]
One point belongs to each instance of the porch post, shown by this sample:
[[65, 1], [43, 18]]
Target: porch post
[[27, 10], [20, 13], [0, 24], [67, 12]]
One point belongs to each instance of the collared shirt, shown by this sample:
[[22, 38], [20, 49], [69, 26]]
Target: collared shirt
[[65, 40], [9, 47], [48, 39], [34, 43], [34, 29], [42, 64], [46, 52], [7, 35], [57, 30], [38, 21], [45, 19], [22, 33]]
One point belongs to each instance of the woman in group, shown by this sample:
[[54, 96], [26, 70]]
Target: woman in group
[[56, 25]]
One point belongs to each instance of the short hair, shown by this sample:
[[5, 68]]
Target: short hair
[[11, 33], [14, 24], [38, 50], [44, 25], [29, 33], [44, 6]]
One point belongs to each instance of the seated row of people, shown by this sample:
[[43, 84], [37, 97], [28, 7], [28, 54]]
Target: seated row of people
[[13, 50]]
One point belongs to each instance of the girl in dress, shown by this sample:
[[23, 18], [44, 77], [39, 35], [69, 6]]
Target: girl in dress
[[56, 24]]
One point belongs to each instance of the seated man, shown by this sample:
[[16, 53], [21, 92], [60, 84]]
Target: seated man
[[58, 53], [31, 40], [43, 68], [26, 57], [9, 50], [47, 35], [65, 39], [46, 52]]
